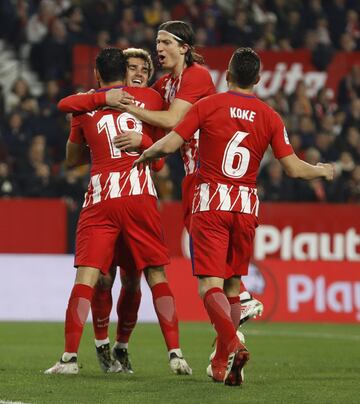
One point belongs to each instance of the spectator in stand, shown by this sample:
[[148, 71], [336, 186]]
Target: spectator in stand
[[240, 31], [324, 143], [349, 86], [274, 186], [306, 131], [153, 13], [103, 39], [39, 23], [347, 43], [55, 58], [17, 138], [336, 13], [19, 91], [354, 186], [77, 27], [353, 113], [353, 26], [186, 10], [8, 185]]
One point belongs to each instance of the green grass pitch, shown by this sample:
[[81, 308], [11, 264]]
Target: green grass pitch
[[290, 363]]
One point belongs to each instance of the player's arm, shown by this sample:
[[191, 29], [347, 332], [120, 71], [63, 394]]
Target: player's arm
[[297, 168], [163, 119], [76, 154], [87, 102], [167, 145]]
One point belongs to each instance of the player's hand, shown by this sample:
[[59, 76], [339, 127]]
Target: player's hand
[[328, 170], [142, 161], [116, 97], [129, 140]]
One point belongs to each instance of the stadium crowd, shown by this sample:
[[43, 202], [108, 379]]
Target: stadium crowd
[[33, 132]]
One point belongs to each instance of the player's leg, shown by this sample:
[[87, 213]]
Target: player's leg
[[239, 258], [144, 237], [164, 304], [210, 233], [127, 310], [101, 306], [76, 314], [232, 290], [95, 241]]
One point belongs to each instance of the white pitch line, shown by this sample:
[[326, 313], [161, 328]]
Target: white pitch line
[[304, 334], [11, 402]]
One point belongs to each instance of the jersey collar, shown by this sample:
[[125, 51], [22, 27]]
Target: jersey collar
[[238, 94], [102, 89]]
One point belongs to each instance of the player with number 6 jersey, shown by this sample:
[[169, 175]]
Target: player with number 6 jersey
[[236, 128]]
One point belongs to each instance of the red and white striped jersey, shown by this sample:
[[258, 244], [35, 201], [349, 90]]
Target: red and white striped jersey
[[112, 175], [225, 197], [191, 85], [235, 131], [105, 186]]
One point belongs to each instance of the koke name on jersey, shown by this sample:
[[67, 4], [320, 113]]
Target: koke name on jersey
[[242, 114]]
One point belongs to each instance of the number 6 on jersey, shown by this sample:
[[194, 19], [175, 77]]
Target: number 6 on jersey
[[234, 151]]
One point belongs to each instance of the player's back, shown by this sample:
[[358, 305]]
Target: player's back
[[112, 174], [99, 127], [237, 129]]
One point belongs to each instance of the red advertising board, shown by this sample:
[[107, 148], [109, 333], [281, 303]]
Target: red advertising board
[[33, 226], [306, 263], [279, 69], [290, 290]]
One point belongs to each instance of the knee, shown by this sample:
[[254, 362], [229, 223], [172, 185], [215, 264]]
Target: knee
[[106, 281], [131, 283], [155, 275]]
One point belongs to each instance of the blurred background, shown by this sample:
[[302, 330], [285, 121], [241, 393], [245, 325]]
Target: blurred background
[[310, 75]]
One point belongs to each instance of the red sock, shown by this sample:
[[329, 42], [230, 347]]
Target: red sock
[[164, 305], [218, 309], [127, 311], [76, 315], [235, 307], [101, 305]]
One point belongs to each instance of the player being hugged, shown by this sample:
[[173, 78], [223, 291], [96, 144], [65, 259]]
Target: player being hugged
[[121, 201], [236, 128]]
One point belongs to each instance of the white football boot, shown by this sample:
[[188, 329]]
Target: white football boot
[[178, 364], [250, 307], [65, 368]]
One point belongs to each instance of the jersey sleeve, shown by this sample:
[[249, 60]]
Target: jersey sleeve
[[76, 134], [146, 142], [194, 86], [157, 165], [190, 124], [279, 141], [152, 133], [82, 102]]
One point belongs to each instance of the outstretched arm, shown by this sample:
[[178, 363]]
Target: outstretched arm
[[162, 119], [92, 100], [167, 145], [297, 168]]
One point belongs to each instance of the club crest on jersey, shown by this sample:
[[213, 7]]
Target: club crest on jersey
[[170, 90]]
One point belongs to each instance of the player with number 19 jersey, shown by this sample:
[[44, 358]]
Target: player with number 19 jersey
[[235, 131], [120, 199]]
